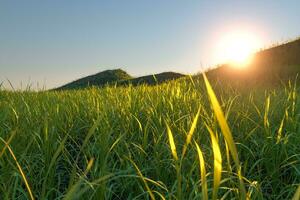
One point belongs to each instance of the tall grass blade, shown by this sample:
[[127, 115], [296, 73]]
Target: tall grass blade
[[172, 143], [89, 135], [19, 168], [279, 132], [89, 166], [7, 143], [217, 163], [85, 142], [52, 162], [222, 122], [267, 108], [225, 131], [76, 191], [228, 157], [177, 164], [202, 173], [192, 81], [143, 179], [160, 195], [190, 134], [297, 194]]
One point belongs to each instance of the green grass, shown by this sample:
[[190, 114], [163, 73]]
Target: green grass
[[179, 140]]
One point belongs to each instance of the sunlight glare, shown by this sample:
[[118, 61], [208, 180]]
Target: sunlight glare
[[236, 49]]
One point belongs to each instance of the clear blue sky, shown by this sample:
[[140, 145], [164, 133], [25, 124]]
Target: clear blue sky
[[53, 42]]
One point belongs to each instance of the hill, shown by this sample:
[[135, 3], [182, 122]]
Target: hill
[[270, 65], [99, 79], [120, 78]]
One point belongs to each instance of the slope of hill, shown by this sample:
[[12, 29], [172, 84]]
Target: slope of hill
[[120, 78], [281, 62], [281, 55], [99, 79], [152, 79]]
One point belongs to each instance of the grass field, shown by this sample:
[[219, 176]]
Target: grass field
[[170, 141]]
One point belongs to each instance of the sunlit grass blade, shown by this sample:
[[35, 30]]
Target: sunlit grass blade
[[172, 143], [7, 143], [177, 164], [76, 191], [222, 121], [190, 134], [192, 81], [228, 157], [267, 108], [226, 132], [202, 173], [19, 168], [143, 179], [217, 163], [160, 195], [279, 132], [89, 166], [297, 194]]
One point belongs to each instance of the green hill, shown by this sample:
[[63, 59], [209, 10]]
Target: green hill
[[119, 78], [99, 79]]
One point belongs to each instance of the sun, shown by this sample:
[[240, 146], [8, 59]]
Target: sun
[[236, 49]]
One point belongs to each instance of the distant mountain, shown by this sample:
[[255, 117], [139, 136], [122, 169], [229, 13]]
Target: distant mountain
[[99, 79], [281, 62], [120, 78]]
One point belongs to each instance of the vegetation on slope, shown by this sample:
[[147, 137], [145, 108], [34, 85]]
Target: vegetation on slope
[[182, 139], [114, 143], [119, 77], [152, 79], [99, 79], [269, 66]]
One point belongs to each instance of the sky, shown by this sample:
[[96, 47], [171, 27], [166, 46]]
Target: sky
[[49, 43]]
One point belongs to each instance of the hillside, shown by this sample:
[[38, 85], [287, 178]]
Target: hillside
[[270, 65], [119, 77], [152, 79], [99, 79], [281, 55]]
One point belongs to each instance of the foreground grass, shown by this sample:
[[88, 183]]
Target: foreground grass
[[172, 141]]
